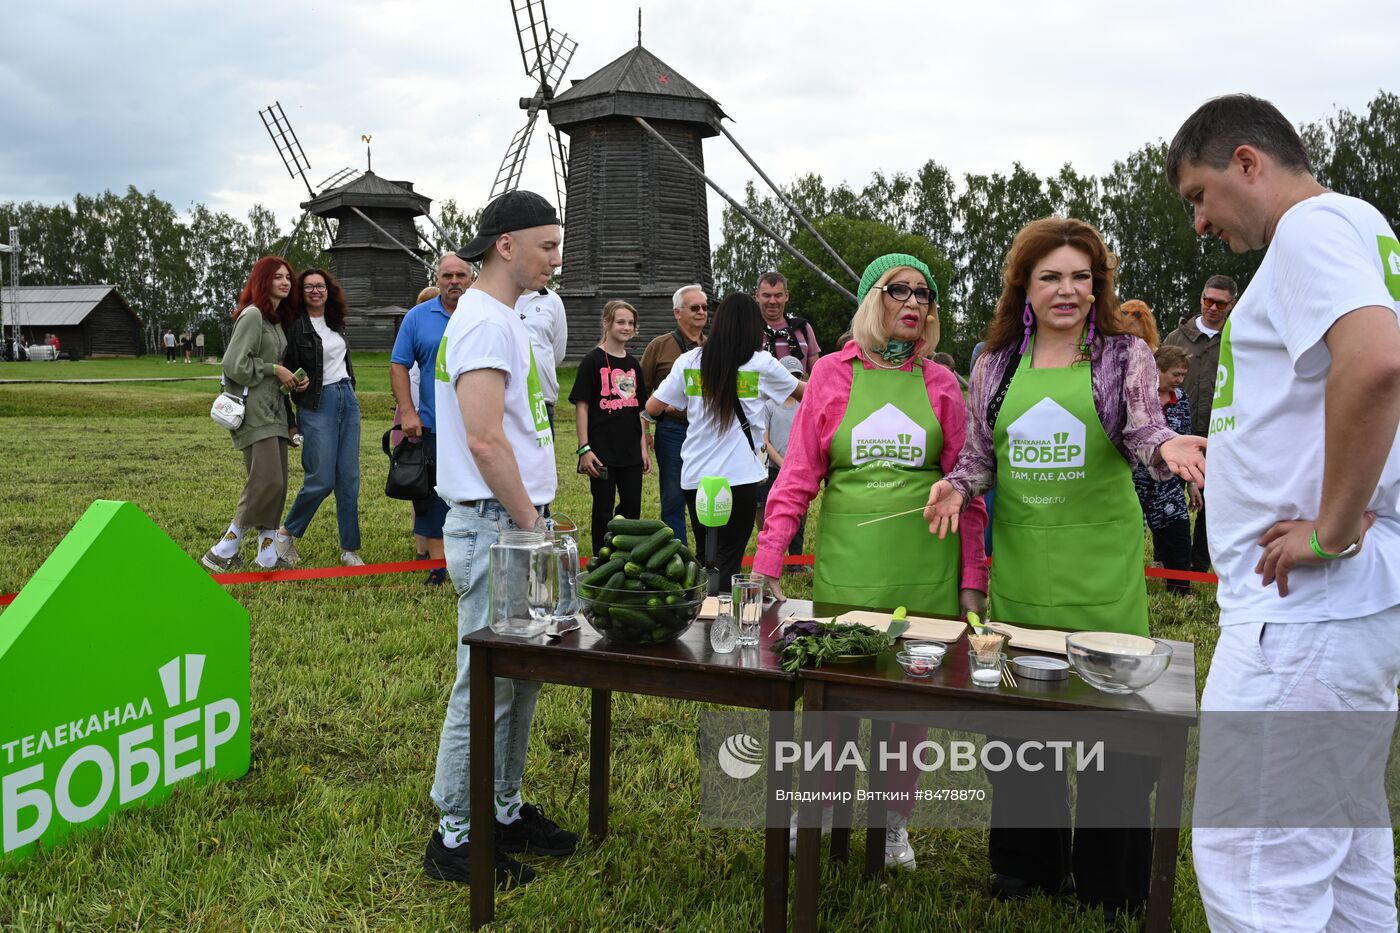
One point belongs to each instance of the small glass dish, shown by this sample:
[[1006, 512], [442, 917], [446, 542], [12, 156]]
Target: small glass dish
[[919, 665], [985, 667]]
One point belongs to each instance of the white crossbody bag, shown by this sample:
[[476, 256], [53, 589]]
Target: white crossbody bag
[[227, 410]]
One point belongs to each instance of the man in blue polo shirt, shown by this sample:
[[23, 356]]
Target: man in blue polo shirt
[[417, 342]]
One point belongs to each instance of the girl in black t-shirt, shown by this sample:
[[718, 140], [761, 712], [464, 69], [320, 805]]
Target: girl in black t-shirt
[[608, 396]]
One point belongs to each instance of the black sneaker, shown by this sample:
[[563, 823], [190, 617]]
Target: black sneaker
[[535, 833], [446, 864], [436, 577]]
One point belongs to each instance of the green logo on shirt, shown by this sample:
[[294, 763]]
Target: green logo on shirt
[[746, 379], [1390, 259], [1224, 383], [440, 367], [544, 437]]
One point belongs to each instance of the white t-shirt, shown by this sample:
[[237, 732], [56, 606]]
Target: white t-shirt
[[169, 339], [714, 450], [1330, 255], [549, 334], [485, 334], [332, 352], [1201, 326]]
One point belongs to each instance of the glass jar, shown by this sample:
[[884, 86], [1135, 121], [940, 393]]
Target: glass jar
[[524, 583], [724, 630]]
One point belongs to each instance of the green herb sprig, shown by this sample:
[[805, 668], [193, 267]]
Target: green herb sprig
[[811, 644]]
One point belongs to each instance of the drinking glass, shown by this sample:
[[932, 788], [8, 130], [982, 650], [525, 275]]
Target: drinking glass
[[747, 595]]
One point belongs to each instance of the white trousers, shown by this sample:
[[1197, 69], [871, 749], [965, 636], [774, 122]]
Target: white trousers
[[1281, 879]]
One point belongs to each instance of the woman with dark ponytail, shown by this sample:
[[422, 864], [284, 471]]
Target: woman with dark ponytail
[[722, 386]]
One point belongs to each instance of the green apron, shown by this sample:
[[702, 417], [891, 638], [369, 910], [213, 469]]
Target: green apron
[[884, 456], [1067, 529]]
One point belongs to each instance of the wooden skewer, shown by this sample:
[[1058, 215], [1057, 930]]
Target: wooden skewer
[[1007, 677], [884, 517]]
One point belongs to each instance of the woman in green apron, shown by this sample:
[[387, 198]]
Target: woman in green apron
[[1062, 403], [878, 423]]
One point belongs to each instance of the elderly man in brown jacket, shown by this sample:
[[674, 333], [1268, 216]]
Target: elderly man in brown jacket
[[1200, 338]]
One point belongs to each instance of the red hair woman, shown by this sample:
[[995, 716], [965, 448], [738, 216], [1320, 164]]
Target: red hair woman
[[252, 363]]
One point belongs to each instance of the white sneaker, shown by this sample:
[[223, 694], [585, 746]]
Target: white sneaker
[[351, 559], [287, 550], [827, 813], [898, 851]]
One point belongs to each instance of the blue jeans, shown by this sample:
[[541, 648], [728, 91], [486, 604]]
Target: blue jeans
[[670, 435], [330, 458], [467, 538]]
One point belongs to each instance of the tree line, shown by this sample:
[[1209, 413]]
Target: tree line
[[177, 271], [963, 228]]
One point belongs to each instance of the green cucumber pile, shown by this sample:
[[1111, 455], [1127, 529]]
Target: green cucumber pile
[[645, 586]]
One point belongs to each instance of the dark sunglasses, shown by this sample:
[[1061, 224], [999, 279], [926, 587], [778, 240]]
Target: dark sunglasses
[[901, 292], [1216, 303], [697, 308]]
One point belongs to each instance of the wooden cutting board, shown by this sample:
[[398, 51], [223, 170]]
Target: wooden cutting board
[[709, 609], [1031, 639], [920, 628]]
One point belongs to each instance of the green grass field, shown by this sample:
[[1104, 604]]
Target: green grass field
[[349, 685]]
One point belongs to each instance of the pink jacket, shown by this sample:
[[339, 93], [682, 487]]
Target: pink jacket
[[808, 459]]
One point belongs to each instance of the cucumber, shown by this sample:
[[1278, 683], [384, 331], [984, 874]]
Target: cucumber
[[607, 539], [655, 581], [627, 542], [605, 570], [630, 615], [657, 562], [633, 569], [675, 568], [686, 553], [633, 586], [635, 526], [644, 551], [655, 602], [692, 575], [605, 553], [592, 564]]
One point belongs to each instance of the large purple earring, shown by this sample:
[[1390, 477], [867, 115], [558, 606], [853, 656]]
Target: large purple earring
[[1089, 337], [1027, 318]]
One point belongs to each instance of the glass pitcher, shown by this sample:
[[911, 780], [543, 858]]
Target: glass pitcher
[[562, 534], [523, 589]]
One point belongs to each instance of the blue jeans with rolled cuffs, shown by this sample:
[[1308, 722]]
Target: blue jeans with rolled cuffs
[[330, 459], [670, 435], [468, 535]]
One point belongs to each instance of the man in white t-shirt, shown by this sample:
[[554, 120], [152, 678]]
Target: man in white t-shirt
[[495, 459], [542, 310], [1303, 472]]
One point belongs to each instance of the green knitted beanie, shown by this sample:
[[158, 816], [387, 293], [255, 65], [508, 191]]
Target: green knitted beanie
[[890, 261]]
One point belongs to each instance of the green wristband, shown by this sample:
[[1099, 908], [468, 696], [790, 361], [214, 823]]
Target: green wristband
[[1317, 549], [582, 450]]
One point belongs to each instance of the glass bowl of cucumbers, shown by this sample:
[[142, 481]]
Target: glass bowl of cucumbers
[[644, 587]]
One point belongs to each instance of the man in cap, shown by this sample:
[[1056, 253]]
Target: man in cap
[[1303, 467], [496, 471]]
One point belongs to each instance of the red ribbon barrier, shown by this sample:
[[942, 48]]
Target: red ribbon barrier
[[409, 566]]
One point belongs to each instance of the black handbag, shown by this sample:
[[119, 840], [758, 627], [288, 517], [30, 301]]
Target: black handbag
[[412, 468]]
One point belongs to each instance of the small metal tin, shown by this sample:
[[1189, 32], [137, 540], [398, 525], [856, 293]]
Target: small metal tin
[[1038, 667]]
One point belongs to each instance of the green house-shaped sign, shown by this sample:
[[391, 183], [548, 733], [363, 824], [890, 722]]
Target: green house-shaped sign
[[124, 671]]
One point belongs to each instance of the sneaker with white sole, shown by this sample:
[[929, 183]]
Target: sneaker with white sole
[[351, 559], [287, 550], [218, 564], [898, 852], [827, 814]]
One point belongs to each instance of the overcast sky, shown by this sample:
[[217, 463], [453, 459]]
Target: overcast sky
[[164, 95]]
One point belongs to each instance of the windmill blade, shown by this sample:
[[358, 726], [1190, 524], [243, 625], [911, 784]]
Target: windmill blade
[[338, 179], [288, 146], [532, 33], [561, 52], [508, 175], [559, 155]]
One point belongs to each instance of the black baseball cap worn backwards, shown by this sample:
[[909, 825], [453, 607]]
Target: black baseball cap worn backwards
[[512, 211]]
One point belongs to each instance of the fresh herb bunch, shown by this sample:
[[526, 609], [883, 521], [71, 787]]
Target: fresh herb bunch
[[811, 643]]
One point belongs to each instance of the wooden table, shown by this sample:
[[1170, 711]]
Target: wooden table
[[686, 669], [1167, 706]]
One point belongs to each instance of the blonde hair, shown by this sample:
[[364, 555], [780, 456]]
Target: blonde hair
[[868, 324], [610, 314], [432, 291]]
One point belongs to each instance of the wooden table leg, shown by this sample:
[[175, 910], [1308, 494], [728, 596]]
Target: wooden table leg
[[876, 812], [482, 747], [847, 730], [599, 762], [807, 884], [1170, 778], [775, 834]]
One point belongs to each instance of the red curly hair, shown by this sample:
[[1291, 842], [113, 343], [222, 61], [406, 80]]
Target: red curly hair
[[1036, 240], [258, 291]]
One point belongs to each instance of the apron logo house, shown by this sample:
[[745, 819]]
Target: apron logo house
[[133, 670], [1046, 438], [889, 434]]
